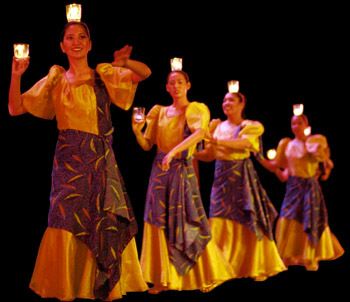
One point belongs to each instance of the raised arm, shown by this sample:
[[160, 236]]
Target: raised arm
[[15, 105], [122, 59]]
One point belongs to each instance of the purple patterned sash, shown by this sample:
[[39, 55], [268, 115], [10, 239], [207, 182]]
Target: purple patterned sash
[[305, 203], [237, 194], [88, 196]]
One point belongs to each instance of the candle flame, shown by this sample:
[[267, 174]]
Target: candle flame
[[73, 12], [233, 86], [21, 50], [271, 154], [176, 64]]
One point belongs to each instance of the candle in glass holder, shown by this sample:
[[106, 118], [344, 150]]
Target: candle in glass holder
[[176, 64], [73, 12], [271, 154], [233, 86], [21, 51], [298, 109], [307, 131], [139, 114]]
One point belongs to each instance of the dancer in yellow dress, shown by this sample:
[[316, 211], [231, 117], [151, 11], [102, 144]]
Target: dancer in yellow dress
[[303, 234], [177, 250], [241, 214], [88, 250]]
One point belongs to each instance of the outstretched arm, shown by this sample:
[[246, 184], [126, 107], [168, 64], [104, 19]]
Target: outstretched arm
[[191, 140], [272, 166], [122, 59], [15, 105]]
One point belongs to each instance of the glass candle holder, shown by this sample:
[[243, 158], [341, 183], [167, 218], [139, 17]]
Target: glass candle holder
[[176, 64], [21, 50], [233, 86], [271, 154], [307, 131], [138, 114], [298, 109], [73, 12]]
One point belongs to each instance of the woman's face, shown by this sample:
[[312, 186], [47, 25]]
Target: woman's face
[[177, 85], [76, 42], [298, 125], [232, 104]]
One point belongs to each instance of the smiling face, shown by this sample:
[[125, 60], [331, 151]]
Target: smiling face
[[233, 104], [76, 41]]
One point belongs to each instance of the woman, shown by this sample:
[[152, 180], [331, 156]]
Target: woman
[[88, 250], [177, 253], [303, 235], [241, 214]]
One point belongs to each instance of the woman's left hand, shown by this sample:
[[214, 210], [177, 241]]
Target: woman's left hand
[[167, 160], [122, 56]]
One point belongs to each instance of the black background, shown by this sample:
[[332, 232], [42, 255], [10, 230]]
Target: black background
[[281, 54]]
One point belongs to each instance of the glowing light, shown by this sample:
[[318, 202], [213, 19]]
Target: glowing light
[[21, 51], [233, 86], [73, 12], [271, 154], [176, 64], [138, 114], [307, 131], [298, 109]]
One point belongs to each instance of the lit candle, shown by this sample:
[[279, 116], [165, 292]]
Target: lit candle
[[73, 12], [233, 86], [307, 131], [21, 51], [139, 114], [298, 109], [271, 154], [176, 64]]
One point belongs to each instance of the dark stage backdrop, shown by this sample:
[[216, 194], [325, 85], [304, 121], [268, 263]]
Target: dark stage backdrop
[[281, 53]]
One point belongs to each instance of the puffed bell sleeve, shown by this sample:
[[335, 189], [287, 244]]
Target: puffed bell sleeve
[[39, 100], [252, 130], [281, 158], [317, 146], [119, 84], [197, 116], [152, 124]]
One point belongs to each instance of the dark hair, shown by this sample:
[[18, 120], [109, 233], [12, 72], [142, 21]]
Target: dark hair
[[241, 97], [187, 78], [303, 117], [67, 25]]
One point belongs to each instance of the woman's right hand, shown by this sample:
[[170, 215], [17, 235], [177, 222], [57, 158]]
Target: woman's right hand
[[19, 66], [137, 126]]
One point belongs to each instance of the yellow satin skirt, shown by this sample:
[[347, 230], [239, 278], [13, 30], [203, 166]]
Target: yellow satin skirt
[[65, 269], [296, 249], [210, 270], [248, 256]]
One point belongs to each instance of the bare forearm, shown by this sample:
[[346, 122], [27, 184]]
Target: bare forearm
[[141, 70], [144, 143], [15, 105], [191, 140]]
